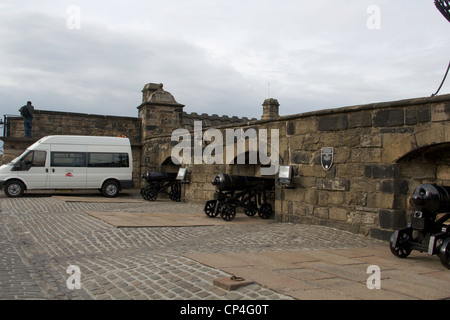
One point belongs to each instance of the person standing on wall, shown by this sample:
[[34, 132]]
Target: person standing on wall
[[27, 113]]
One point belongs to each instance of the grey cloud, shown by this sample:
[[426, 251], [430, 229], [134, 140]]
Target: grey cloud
[[314, 55]]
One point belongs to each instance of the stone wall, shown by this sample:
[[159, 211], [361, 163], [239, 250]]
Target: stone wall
[[381, 153], [67, 123]]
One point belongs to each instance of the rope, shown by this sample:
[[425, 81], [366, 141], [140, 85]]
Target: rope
[[443, 80]]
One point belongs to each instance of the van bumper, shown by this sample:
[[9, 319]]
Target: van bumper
[[1, 184]]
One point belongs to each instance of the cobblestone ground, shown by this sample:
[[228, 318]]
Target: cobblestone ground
[[41, 236]]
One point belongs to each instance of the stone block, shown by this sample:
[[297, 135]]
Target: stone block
[[322, 213], [388, 118], [424, 114], [356, 199], [338, 214], [440, 112], [430, 134], [350, 170], [397, 146], [341, 155], [360, 119], [333, 184], [310, 196], [305, 182], [411, 116], [392, 219], [366, 155], [331, 199], [302, 126], [380, 200], [301, 157], [371, 141], [312, 171], [382, 171], [418, 169], [333, 123], [443, 172]]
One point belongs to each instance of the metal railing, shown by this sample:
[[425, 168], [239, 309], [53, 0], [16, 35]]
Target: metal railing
[[5, 123]]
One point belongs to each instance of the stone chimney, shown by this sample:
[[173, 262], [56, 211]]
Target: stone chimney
[[270, 109], [159, 112]]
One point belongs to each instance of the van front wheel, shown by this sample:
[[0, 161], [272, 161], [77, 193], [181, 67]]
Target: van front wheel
[[110, 189], [14, 189]]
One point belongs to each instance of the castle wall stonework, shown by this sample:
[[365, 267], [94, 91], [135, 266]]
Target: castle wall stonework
[[381, 152]]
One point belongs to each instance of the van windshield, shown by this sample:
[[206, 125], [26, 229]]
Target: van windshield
[[15, 160]]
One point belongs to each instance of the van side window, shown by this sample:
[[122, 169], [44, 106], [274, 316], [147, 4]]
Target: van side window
[[68, 159], [39, 159], [108, 160]]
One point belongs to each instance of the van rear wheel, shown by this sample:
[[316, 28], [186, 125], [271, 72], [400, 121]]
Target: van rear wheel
[[14, 189], [110, 189]]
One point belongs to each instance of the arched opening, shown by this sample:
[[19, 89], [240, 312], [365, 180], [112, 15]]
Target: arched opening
[[430, 164], [168, 166]]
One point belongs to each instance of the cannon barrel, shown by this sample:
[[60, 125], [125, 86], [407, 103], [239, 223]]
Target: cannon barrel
[[230, 182], [431, 198], [154, 176]]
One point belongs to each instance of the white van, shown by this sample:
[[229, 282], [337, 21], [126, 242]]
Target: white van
[[71, 162]]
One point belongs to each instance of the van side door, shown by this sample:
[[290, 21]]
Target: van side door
[[32, 169]]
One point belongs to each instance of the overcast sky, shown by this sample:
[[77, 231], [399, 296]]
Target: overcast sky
[[219, 56]]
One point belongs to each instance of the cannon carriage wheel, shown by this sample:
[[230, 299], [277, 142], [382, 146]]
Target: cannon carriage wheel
[[401, 249], [444, 253], [210, 208], [228, 212], [252, 209], [175, 192], [150, 192], [265, 211]]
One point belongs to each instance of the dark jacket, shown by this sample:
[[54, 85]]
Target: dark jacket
[[27, 111]]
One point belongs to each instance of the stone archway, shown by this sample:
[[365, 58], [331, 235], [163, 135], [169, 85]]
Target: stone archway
[[397, 146], [168, 166], [427, 164]]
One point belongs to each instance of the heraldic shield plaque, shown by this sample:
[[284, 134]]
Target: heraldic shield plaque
[[327, 158]]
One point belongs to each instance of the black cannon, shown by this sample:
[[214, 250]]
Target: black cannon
[[232, 191], [158, 182], [427, 231]]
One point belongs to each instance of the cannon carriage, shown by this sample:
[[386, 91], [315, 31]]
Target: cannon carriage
[[428, 230], [161, 182], [249, 193]]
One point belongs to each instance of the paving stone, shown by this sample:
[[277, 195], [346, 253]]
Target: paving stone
[[41, 236]]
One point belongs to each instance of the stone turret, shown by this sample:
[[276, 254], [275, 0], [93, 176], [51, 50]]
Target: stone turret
[[270, 109], [159, 112]]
